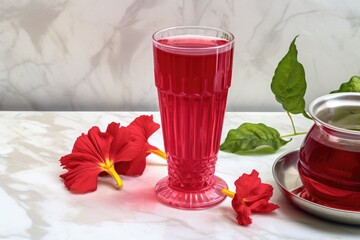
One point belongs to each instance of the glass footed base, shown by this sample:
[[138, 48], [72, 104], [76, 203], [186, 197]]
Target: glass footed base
[[190, 200]]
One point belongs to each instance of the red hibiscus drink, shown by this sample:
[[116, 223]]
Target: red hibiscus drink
[[329, 164], [193, 68]]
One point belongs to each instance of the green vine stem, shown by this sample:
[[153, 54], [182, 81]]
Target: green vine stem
[[293, 134], [292, 122], [294, 129]]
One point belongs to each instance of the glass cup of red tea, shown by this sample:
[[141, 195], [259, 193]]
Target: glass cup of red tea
[[193, 68], [329, 164]]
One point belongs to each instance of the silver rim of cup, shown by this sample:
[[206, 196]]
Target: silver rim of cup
[[324, 107]]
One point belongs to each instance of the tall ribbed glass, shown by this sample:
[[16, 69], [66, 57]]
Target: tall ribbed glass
[[193, 68]]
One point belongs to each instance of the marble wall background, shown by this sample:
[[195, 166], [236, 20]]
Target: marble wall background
[[96, 54]]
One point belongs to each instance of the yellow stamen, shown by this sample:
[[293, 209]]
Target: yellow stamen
[[227, 192], [108, 166], [158, 152]]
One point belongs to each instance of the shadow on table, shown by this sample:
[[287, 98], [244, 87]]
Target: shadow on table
[[299, 216]]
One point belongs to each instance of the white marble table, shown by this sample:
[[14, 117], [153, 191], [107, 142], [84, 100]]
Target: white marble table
[[34, 204]]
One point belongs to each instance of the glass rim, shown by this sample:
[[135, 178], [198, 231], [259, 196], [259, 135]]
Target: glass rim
[[230, 40], [338, 100]]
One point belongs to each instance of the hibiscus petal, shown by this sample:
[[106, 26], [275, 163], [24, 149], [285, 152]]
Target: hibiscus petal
[[144, 126], [262, 191], [243, 215], [94, 143], [246, 183], [81, 179], [140, 129], [83, 164], [263, 206], [74, 160], [237, 202], [133, 168], [124, 147]]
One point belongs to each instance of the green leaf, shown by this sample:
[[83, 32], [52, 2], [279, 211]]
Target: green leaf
[[250, 137], [289, 84], [353, 85]]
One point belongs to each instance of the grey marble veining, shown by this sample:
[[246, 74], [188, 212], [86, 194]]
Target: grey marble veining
[[97, 55]]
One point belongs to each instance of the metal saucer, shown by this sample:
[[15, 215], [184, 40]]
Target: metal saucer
[[287, 178]]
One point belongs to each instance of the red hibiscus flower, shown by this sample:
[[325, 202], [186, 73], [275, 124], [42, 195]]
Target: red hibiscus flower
[[141, 129], [98, 152], [119, 150], [251, 196]]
